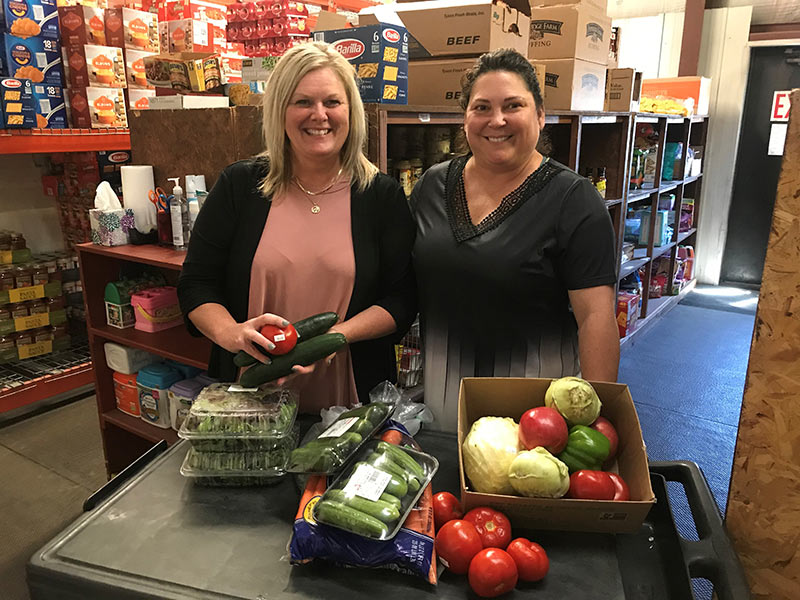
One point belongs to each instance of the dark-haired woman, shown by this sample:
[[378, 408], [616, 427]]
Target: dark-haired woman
[[514, 253]]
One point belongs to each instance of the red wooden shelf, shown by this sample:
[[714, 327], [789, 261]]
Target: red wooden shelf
[[136, 425], [175, 343], [148, 254], [27, 141], [46, 387]]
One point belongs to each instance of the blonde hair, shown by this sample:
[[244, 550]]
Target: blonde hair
[[290, 69]]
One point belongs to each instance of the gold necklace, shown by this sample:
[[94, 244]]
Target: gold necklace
[[314, 206]]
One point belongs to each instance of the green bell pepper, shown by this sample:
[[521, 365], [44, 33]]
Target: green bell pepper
[[586, 449]]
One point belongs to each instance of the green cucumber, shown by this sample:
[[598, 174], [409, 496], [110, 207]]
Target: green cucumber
[[306, 329], [362, 427], [383, 461], [346, 517], [321, 455], [397, 486], [386, 512], [386, 497], [375, 413], [402, 458], [305, 353]]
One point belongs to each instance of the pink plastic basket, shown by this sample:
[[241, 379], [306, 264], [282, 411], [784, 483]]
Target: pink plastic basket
[[156, 309]]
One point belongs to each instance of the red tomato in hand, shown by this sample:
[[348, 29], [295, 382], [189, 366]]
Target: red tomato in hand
[[621, 490], [284, 339], [543, 426], [492, 573], [492, 525], [393, 437], [446, 507], [531, 559], [456, 543], [605, 427], [591, 485]]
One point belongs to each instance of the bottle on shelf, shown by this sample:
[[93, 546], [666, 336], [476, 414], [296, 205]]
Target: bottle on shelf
[[179, 215], [600, 181], [588, 172], [191, 201]]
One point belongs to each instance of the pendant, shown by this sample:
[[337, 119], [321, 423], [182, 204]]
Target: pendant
[[315, 209]]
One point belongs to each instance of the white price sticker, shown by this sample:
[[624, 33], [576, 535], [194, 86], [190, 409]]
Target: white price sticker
[[235, 387], [367, 482], [338, 427], [279, 337]]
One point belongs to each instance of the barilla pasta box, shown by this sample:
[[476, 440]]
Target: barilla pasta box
[[379, 54], [31, 18], [51, 110], [36, 58], [19, 109]]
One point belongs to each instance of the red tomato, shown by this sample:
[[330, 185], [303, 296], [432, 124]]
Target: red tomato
[[456, 543], [284, 339], [531, 559], [621, 490], [493, 526], [605, 427], [591, 485], [446, 507], [543, 426], [392, 437], [492, 573]]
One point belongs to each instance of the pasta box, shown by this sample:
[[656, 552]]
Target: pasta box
[[30, 18], [18, 103], [511, 397], [51, 109], [379, 54], [36, 58]]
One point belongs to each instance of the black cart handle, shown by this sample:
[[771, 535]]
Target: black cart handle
[[712, 556], [126, 474]]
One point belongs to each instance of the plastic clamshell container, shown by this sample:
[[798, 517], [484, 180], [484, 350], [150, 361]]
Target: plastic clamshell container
[[124, 359], [372, 456], [238, 469], [332, 448], [223, 421]]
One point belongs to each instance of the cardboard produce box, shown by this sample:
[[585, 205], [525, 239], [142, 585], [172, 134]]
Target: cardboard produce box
[[455, 27], [570, 31], [511, 397], [379, 54], [623, 90], [572, 84], [696, 89]]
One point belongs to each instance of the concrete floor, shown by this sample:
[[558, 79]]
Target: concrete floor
[[50, 464]]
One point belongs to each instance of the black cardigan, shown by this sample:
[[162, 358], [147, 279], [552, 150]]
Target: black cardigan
[[227, 233]]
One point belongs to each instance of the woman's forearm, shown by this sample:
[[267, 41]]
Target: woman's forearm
[[598, 347], [215, 322], [370, 323]]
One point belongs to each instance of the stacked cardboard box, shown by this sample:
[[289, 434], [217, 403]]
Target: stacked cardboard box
[[572, 42]]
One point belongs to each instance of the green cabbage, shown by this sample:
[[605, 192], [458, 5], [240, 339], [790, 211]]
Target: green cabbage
[[488, 450], [537, 473], [575, 399]]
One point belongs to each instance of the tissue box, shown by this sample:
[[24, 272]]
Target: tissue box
[[111, 227]]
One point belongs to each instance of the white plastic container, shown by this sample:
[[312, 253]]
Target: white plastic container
[[127, 360], [153, 383], [181, 395]]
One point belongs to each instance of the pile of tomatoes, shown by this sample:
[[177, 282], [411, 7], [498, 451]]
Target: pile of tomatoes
[[479, 544]]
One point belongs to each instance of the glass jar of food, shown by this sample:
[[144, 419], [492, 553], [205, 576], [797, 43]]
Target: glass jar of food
[[39, 274], [6, 278], [19, 309], [60, 331], [23, 338], [6, 342], [63, 263], [42, 334], [5, 240], [5, 313], [23, 276], [56, 303], [37, 307], [18, 241]]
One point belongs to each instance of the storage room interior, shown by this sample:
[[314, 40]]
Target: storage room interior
[[682, 114]]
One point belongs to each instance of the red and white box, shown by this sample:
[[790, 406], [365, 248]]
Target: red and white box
[[81, 25], [189, 35], [627, 312], [141, 30], [135, 74], [170, 10], [139, 99]]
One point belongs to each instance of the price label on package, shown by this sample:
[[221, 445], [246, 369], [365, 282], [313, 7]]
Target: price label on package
[[37, 349], [6, 257], [32, 292], [31, 322], [338, 427], [367, 482]]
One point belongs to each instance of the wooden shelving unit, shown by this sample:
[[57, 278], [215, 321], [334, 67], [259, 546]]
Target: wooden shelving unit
[[125, 437]]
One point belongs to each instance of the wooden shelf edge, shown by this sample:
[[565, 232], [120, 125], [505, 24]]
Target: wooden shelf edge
[[150, 345], [661, 250], [45, 141], [148, 254], [139, 427], [47, 387], [632, 265]]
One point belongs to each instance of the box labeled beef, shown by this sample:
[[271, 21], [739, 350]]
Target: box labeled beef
[[570, 31], [18, 104], [51, 109], [134, 68], [31, 18], [437, 82], [36, 58], [82, 25], [380, 55], [571, 84], [140, 30]]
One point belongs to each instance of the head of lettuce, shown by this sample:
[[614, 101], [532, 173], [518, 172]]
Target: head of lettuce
[[488, 450]]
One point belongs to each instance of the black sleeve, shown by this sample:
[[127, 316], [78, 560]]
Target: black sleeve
[[586, 239], [398, 283], [203, 274]]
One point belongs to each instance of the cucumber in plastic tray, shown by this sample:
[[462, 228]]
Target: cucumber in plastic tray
[[372, 497], [332, 448]]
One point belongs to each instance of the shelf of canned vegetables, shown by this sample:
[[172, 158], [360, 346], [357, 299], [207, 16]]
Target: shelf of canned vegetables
[[366, 484]]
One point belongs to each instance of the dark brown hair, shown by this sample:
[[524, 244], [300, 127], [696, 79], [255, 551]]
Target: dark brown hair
[[504, 59]]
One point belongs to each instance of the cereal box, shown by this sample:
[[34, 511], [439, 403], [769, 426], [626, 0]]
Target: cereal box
[[106, 107], [82, 25], [18, 103], [141, 30], [139, 99], [51, 110], [36, 58], [134, 68], [380, 55], [31, 18]]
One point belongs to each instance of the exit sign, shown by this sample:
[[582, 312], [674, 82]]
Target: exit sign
[[780, 107]]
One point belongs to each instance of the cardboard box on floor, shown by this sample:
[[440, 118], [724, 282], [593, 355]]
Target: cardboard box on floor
[[454, 27], [623, 90], [570, 31], [511, 397], [571, 84]]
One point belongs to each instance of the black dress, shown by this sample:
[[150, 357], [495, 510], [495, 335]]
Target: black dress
[[493, 297]]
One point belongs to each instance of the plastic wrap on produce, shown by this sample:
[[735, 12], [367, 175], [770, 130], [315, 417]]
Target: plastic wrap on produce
[[411, 551]]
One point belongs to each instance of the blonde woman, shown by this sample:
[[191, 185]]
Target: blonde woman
[[309, 226]]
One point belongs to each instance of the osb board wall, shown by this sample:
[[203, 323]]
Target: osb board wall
[[194, 141], [763, 515]]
